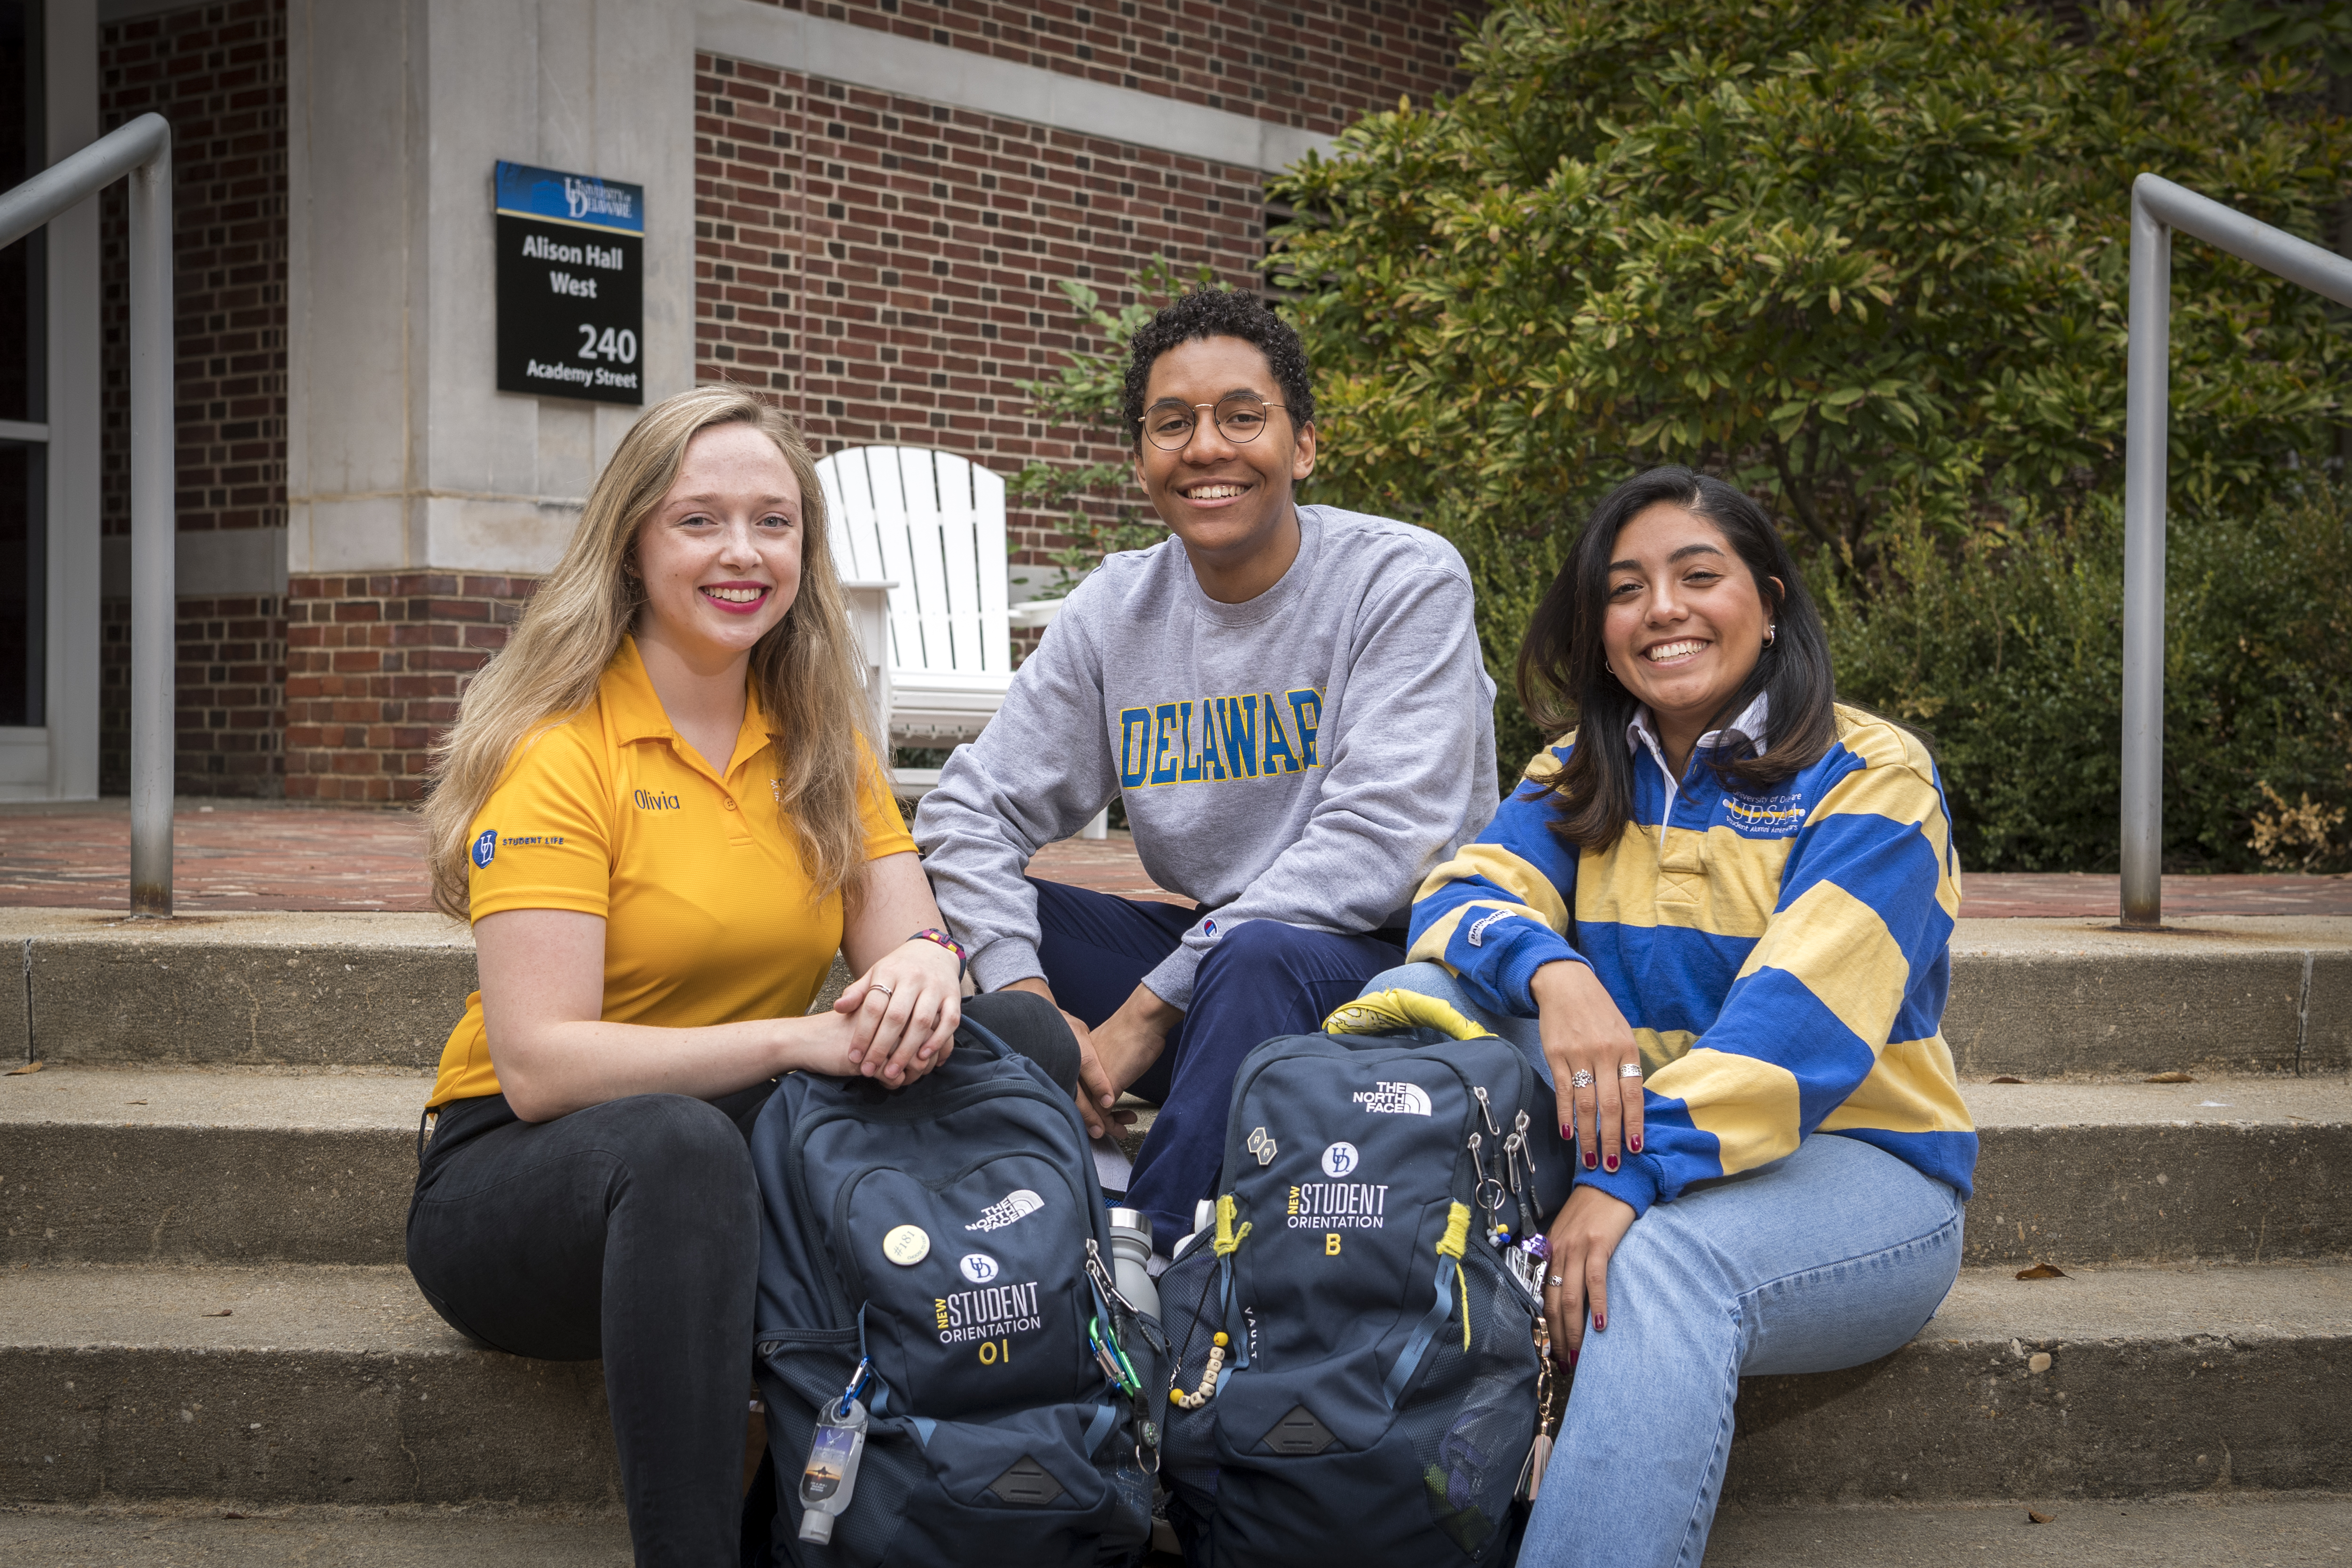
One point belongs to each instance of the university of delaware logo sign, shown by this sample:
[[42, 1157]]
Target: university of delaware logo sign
[[1394, 1098], [486, 848]]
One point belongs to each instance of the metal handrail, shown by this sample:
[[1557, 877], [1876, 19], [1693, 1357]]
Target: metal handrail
[[2158, 207], [141, 150]]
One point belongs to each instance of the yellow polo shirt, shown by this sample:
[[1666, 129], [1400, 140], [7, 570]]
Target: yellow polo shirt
[[706, 911]]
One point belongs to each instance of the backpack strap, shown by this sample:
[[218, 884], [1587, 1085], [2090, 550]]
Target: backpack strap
[[1226, 1241], [1449, 1271]]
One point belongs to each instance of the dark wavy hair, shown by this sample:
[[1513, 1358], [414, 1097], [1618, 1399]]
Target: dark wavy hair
[[1218, 313], [1564, 680]]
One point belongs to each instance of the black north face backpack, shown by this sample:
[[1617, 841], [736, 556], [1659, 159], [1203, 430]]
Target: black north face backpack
[[939, 1257], [1365, 1302]]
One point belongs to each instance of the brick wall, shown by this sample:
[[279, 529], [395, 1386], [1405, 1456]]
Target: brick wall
[[372, 671], [218, 73], [1314, 64], [886, 268]]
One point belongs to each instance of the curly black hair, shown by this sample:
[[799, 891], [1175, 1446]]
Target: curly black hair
[[1219, 313]]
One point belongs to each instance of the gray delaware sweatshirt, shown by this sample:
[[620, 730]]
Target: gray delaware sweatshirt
[[1306, 757]]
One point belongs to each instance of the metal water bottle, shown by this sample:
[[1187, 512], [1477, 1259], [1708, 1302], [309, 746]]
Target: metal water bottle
[[1131, 1254]]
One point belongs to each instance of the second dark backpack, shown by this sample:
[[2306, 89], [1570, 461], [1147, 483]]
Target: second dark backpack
[[1376, 1395]]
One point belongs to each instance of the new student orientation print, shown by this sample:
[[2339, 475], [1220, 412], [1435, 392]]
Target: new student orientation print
[[1782, 958]]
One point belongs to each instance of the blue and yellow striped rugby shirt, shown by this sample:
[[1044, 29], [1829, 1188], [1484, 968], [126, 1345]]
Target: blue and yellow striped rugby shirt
[[1781, 957]]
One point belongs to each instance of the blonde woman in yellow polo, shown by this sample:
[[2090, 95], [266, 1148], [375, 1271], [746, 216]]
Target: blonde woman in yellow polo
[[661, 811]]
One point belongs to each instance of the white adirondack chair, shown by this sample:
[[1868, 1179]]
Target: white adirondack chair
[[923, 532]]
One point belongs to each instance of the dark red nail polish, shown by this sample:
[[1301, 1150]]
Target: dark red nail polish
[[1566, 1135], [1591, 1162], [1612, 1163], [1636, 1144], [1571, 1358], [1599, 1323]]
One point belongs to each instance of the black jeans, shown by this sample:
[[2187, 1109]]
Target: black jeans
[[629, 1230]]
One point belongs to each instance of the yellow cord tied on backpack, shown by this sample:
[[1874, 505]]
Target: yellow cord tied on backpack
[[1227, 1237], [1393, 1012], [1450, 1245]]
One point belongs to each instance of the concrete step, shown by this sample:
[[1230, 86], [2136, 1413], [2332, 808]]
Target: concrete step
[[2113, 1381], [2228, 1170], [2226, 1529], [337, 1384], [212, 1534], [218, 1165], [305, 990], [2038, 999], [248, 1165], [299, 1384]]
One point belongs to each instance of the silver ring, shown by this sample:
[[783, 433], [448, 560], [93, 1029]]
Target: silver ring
[[1554, 1280], [1579, 1079], [878, 986], [1629, 1070]]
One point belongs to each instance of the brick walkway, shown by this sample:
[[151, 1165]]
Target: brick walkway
[[255, 855]]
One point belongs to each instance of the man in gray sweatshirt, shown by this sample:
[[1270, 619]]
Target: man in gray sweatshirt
[[1291, 703]]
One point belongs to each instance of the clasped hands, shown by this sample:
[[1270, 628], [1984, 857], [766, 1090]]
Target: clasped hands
[[1115, 1052], [899, 1018]]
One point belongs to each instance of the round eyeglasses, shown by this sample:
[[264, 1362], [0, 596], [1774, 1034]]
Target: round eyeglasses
[[1169, 424]]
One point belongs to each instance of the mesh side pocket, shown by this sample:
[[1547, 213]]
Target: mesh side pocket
[[1473, 1418]]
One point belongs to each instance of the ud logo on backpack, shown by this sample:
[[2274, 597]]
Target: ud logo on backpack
[[1375, 1395], [935, 1295]]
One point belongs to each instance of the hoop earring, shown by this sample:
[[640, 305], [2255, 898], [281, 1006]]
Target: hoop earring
[[1771, 634], [1608, 666]]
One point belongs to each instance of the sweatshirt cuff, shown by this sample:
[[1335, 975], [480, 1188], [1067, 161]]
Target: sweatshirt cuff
[[1003, 961], [1172, 982], [1524, 958], [1633, 1182]]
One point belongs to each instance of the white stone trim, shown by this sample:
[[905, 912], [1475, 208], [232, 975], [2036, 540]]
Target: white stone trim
[[965, 78]]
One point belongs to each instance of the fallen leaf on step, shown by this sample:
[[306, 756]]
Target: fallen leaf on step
[[2041, 1271], [221, 1313], [2168, 1078], [2033, 1518], [134, 1101], [2005, 1078], [18, 1072]]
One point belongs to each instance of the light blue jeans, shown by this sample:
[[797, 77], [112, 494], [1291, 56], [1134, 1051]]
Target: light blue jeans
[[1832, 1257]]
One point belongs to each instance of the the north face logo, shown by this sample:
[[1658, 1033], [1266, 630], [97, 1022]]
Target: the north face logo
[[1394, 1098], [1018, 1203]]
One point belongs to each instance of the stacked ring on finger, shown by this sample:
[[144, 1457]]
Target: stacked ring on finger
[[1554, 1280], [1629, 1070], [1579, 1079], [878, 985]]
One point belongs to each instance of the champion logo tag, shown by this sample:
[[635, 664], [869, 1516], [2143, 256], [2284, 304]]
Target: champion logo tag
[[1018, 1203], [1476, 934], [1209, 929], [486, 848], [1394, 1098]]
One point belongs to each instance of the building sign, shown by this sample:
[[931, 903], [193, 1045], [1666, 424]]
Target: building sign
[[572, 316]]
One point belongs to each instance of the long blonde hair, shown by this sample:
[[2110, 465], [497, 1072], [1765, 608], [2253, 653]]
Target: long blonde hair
[[806, 669]]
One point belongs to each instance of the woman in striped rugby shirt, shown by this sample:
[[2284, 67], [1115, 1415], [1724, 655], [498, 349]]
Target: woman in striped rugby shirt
[[1719, 913]]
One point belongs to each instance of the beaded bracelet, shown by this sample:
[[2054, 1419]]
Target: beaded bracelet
[[946, 941]]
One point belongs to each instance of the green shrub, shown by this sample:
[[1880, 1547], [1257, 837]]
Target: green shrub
[[2009, 653]]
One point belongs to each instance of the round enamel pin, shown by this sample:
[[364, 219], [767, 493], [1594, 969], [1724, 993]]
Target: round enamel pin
[[907, 1245]]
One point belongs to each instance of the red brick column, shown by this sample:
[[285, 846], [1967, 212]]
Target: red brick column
[[374, 668], [217, 71]]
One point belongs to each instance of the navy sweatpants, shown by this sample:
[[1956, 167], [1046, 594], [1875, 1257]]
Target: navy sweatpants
[[1263, 979]]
